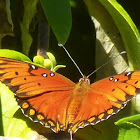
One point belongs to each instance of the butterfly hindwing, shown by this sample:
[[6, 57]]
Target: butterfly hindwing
[[49, 109]]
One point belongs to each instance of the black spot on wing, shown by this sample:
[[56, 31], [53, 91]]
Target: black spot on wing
[[14, 88], [124, 81], [6, 81], [16, 73], [113, 90], [2, 74], [128, 97], [3, 64]]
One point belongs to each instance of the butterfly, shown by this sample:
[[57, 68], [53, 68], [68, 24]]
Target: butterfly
[[58, 103]]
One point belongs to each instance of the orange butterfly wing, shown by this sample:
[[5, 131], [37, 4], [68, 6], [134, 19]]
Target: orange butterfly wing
[[43, 95], [107, 97]]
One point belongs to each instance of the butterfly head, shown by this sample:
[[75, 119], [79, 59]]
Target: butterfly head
[[84, 80]]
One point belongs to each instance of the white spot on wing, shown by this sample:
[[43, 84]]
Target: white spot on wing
[[33, 67], [110, 78], [52, 74], [44, 75], [128, 73]]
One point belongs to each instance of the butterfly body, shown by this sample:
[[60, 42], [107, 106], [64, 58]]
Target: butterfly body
[[58, 103], [77, 98]]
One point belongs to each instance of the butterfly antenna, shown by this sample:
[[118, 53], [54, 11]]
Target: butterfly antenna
[[123, 52], [71, 59]]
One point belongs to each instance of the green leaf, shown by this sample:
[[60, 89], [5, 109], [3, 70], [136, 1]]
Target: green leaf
[[126, 119], [13, 126], [6, 25], [128, 132], [128, 30], [58, 67], [49, 63], [7, 3], [52, 59], [14, 55], [58, 13], [29, 12], [38, 59]]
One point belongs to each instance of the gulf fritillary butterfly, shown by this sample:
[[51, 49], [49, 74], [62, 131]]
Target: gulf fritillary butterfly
[[58, 103]]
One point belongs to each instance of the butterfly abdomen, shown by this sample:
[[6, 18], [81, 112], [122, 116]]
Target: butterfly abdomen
[[73, 110]]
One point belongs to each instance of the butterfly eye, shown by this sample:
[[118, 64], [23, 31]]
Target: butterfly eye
[[81, 79], [87, 80]]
